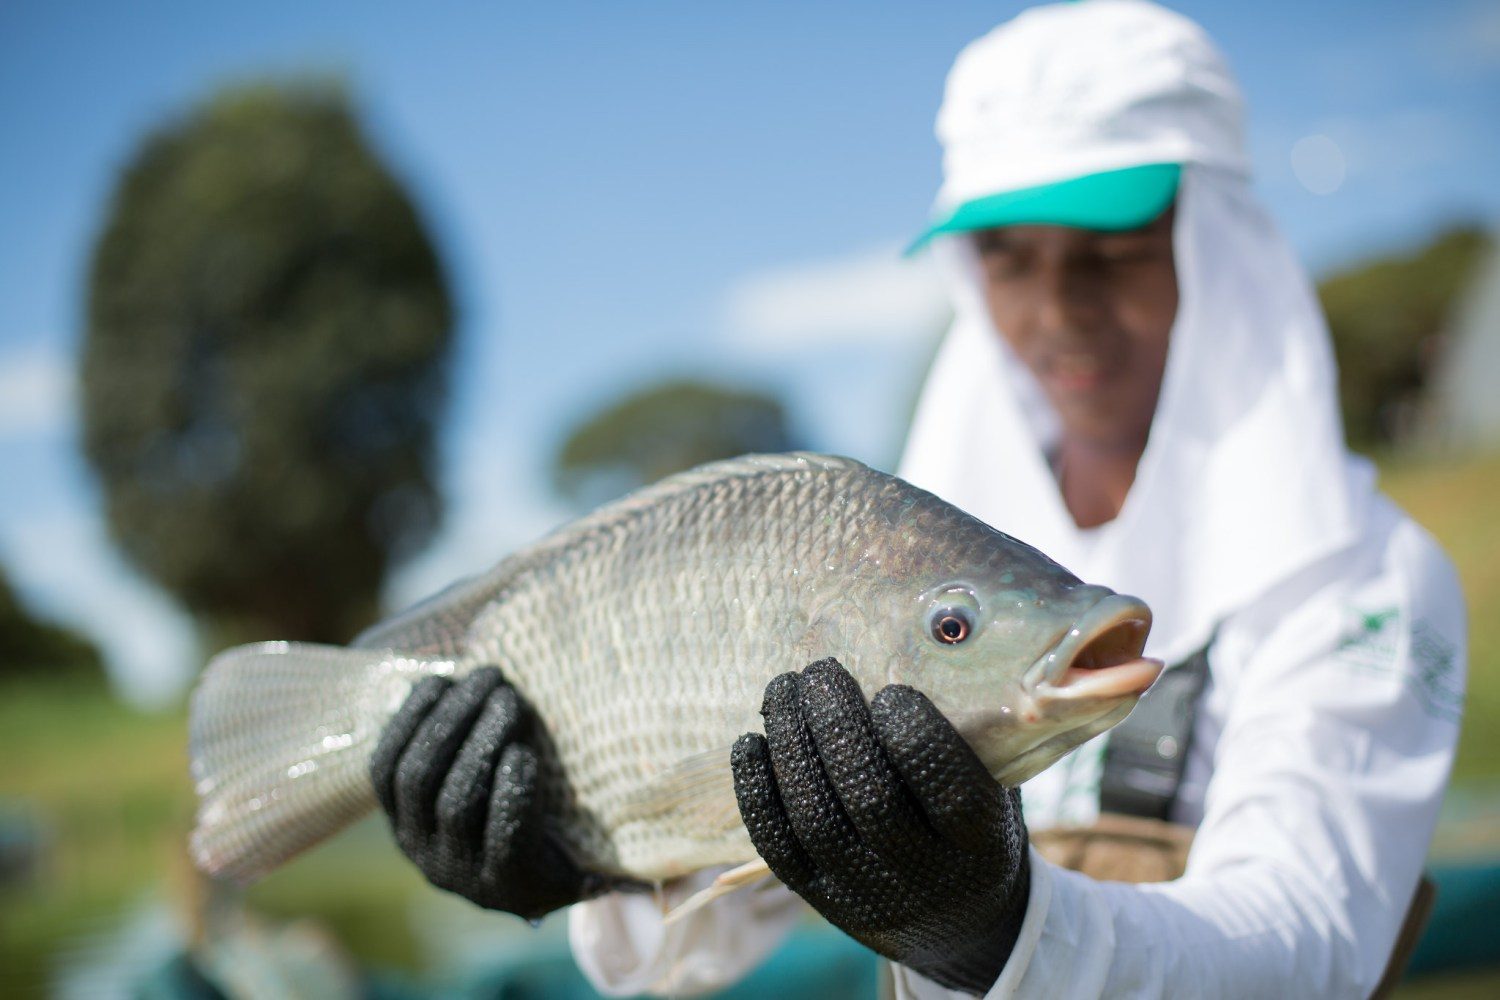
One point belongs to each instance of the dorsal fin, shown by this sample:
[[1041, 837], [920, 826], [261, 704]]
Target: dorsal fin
[[436, 627]]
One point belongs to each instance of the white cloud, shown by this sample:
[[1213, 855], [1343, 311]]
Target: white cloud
[[37, 391], [847, 338], [872, 295]]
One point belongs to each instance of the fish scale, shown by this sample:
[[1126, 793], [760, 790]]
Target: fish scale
[[643, 635]]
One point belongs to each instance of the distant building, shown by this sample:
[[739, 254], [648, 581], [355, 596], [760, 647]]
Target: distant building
[[1463, 395]]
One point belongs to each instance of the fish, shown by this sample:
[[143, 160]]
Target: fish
[[644, 634]]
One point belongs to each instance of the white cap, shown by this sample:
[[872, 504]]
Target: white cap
[[1074, 89]]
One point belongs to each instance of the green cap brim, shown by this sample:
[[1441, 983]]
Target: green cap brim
[[1113, 201]]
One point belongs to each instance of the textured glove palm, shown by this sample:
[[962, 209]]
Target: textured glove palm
[[883, 819], [456, 771]]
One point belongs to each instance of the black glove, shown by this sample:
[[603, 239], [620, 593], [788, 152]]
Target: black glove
[[457, 773], [883, 819]]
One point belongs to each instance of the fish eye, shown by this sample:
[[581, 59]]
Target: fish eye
[[951, 626], [953, 613]]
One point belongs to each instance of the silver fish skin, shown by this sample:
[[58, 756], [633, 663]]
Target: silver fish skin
[[644, 635]]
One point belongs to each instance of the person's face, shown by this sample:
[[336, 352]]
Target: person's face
[[1090, 313]]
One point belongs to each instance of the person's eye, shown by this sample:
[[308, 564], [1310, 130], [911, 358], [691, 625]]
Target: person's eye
[[1129, 252], [1002, 263]]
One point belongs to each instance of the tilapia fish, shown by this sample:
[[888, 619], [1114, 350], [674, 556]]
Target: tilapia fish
[[644, 635]]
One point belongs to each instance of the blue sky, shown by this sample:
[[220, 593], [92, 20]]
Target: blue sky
[[628, 191]]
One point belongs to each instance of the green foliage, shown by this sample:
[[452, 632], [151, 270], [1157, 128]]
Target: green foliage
[[264, 365], [1387, 317], [29, 646], [661, 430]]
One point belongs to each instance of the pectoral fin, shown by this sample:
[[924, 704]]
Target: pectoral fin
[[744, 877], [696, 792]]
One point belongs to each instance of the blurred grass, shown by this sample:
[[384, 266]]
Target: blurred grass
[[1480, 985], [109, 785], [108, 789]]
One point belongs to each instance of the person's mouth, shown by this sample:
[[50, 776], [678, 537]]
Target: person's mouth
[[1075, 372]]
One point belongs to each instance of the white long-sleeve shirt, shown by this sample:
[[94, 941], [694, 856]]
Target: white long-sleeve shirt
[[1321, 749]]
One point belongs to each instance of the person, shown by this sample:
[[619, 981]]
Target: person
[[1138, 381]]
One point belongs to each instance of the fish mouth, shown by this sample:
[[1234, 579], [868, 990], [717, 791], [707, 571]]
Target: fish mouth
[[1085, 683], [1099, 657]]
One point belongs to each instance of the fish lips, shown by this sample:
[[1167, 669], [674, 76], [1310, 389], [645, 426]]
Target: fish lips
[[1099, 657], [1088, 681]]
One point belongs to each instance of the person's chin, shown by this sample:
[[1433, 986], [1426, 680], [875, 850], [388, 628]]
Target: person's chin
[[1090, 418], [1083, 402]]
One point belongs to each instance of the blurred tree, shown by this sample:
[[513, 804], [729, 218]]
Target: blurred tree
[[1387, 317], [264, 365], [664, 429], [29, 647]]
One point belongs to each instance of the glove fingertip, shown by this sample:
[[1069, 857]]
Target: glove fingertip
[[827, 686], [478, 684], [780, 695], [828, 665], [764, 816], [505, 697], [914, 731], [898, 699], [489, 670], [748, 747], [397, 734]]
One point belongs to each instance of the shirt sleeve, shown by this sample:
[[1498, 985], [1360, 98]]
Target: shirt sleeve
[[623, 946], [1328, 774]]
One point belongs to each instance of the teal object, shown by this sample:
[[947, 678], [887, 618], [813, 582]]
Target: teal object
[[1461, 933], [814, 962], [1112, 201], [178, 978]]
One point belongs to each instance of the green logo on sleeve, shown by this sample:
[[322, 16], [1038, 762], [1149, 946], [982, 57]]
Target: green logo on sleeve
[[1371, 644]]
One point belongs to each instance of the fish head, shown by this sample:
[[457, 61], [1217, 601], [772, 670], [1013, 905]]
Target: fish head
[[1024, 687], [1024, 658]]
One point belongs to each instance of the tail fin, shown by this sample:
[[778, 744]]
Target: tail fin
[[280, 738]]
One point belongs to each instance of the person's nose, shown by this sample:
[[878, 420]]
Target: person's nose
[[1066, 301]]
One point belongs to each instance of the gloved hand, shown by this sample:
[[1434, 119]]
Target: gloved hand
[[457, 772], [883, 819]]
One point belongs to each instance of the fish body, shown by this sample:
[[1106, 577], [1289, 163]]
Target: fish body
[[644, 635]]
